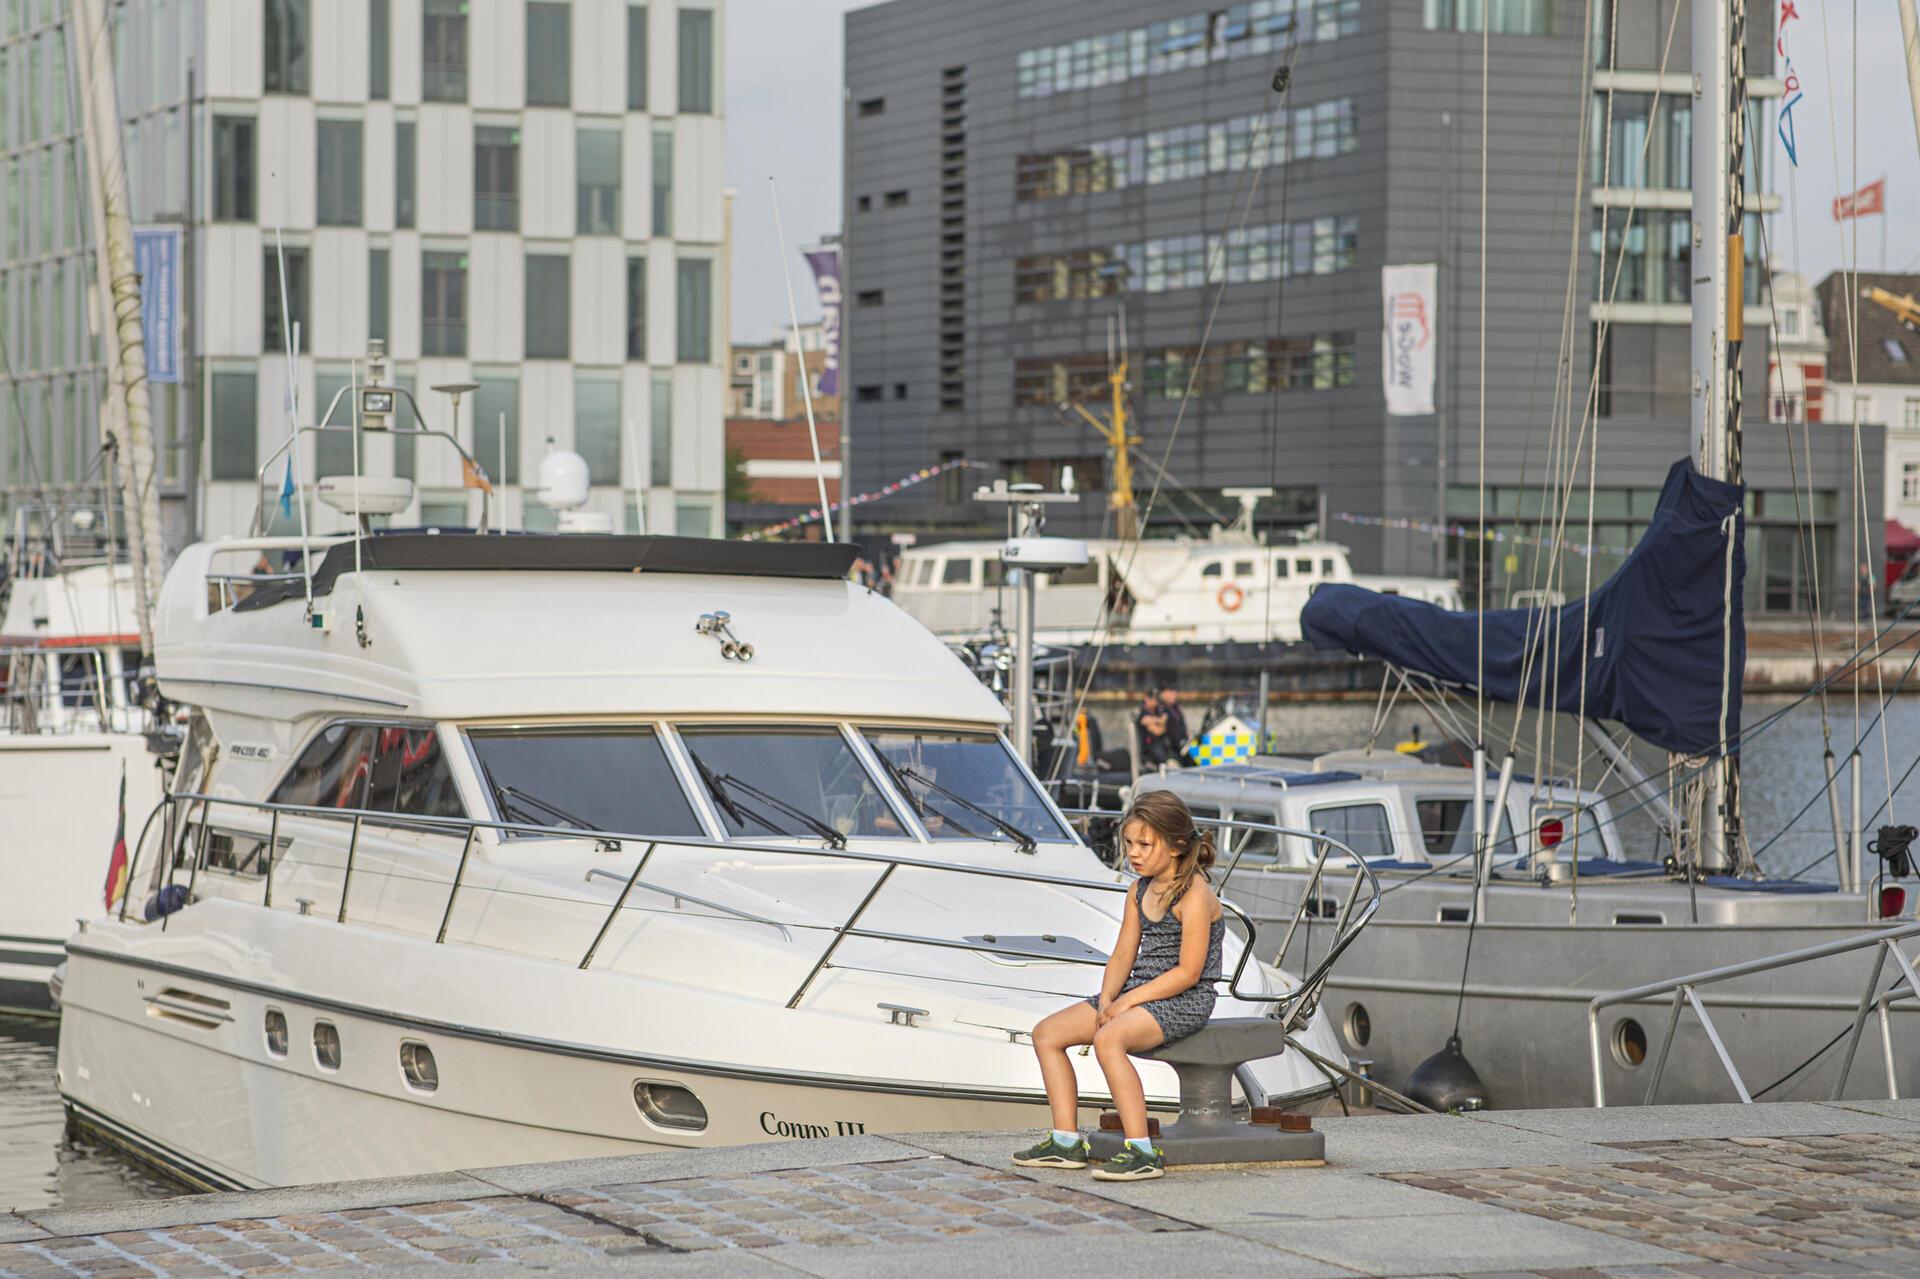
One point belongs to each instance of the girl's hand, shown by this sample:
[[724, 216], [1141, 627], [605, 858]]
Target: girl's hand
[[1113, 1008]]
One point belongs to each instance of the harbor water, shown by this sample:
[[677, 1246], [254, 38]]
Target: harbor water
[[41, 1166]]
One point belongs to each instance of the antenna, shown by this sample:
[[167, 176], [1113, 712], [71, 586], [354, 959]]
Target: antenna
[[806, 388], [291, 333], [639, 493], [353, 381]]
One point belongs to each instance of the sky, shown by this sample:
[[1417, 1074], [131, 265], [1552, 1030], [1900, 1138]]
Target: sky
[[783, 89]]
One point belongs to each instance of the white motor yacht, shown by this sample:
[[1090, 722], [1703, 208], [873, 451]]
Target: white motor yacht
[[487, 849], [70, 732]]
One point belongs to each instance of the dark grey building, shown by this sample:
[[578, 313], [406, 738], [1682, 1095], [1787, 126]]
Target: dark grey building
[[1020, 172]]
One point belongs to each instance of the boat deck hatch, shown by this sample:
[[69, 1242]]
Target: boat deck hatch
[[1038, 946]]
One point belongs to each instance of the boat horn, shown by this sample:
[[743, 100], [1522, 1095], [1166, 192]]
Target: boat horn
[[1447, 1081], [731, 647]]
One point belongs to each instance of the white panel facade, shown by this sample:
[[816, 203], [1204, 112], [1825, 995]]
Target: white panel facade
[[284, 162], [496, 304], [546, 175], [404, 40], [339, 42], [339, 293], [599, 59], [376, 143], [445, 164], [233, 33], [599, 292], [496, 54]]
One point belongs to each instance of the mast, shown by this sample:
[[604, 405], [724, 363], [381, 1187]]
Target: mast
[[1719, 262], [126, 415]]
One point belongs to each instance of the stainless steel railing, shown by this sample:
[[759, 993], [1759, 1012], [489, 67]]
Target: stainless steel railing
[[186, 819], [1685, 992]]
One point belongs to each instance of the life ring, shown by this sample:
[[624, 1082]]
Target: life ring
[[1230, 597]]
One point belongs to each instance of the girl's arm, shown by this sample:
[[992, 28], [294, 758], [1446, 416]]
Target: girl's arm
[[1120, 962], [1195, 913]]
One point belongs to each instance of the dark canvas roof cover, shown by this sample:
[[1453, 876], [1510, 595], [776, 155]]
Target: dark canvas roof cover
[[568, 553], [1659, 635]]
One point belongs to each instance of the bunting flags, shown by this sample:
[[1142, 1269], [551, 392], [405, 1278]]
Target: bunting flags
[[1790, 95], [907, 481], [1463, 531]]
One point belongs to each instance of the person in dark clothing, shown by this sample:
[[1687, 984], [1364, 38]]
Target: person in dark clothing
[[1150, 725], [1177, 733]]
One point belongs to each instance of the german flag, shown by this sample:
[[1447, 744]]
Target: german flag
[[117, 864]]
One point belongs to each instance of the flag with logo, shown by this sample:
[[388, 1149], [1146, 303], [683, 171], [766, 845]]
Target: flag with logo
[[474, 476], [117, 863], [1869, 199], [1408, 319], [826, 278]]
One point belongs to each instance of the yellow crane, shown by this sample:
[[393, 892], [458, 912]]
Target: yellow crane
[[1903, 306], [1114, 430]]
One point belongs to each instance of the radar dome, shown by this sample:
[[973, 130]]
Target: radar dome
[[563, 480]]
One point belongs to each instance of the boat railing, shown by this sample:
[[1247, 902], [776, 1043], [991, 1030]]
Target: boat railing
[[1686, 994], [65, 688], [187, 821]]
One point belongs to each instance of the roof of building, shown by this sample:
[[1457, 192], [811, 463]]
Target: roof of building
[[1889, 350]]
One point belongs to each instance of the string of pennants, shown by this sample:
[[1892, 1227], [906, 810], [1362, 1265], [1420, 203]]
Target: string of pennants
[[812, 516], [1468, 534]]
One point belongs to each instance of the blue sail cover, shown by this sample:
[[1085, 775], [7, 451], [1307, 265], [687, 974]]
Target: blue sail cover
[[1658, 629]]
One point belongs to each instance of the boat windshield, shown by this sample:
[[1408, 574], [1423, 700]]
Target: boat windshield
[[788, 781], [615, 779], [965, 785]]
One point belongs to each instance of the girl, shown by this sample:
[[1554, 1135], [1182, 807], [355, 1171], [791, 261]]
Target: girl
[[1158, 987]]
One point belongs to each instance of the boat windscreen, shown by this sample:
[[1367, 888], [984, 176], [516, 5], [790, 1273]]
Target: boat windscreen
[[965, 785], [613, 779], [788, 781]]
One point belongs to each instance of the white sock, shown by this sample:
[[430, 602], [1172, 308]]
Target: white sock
[[1065, 1137], [1142, 1144]]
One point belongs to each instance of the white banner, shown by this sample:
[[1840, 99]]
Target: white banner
[[1409, 315]]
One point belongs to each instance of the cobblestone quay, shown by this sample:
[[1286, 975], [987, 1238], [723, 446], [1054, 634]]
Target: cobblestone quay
[[1701, 1192]]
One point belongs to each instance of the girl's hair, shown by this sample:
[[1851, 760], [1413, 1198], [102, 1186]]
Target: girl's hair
[[1167, 815]]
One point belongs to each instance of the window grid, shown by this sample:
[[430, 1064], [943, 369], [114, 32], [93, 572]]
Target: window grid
[[496, 179], [1256, 366], [1250, 255]]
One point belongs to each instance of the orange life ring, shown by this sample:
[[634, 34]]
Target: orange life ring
[[1230, 597]]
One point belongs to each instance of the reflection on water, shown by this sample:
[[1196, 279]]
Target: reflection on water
[[40, 1166]]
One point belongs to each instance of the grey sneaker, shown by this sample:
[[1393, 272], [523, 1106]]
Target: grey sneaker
[[1051, 1154], [1133, 1164]]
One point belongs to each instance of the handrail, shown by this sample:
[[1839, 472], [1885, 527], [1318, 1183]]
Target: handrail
[[1292, 1006], [1685, 994], [680, 895]]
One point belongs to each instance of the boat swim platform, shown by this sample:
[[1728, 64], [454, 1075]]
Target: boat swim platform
[[1698, 1192]]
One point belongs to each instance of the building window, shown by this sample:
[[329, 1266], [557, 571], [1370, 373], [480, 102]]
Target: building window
[[236, 409], [873, 106], [1910, 481], [286, 56], [443, 51], [693, 518], [1314, 362], [1790, 322], [696, 61], [443, 303], [403, 427], [379, 49], [496, 179], [870, 394], [637, 310], [663, 179], [637, 57], [378, 293], [338, 194], [897, 199], [549, 54], [1910, 414], [1507, 17], [1249, 255], [596, 425], [549, 310], [864, 204], [273, 336], [597, 181], [333, 449], [899, 390], [232, 169], [1176, 44], [403, 171], [495, 404], [870, 297], [660, 432], [693, 309]]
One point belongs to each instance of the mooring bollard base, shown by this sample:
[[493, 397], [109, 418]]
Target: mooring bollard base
[[1185, 1144]]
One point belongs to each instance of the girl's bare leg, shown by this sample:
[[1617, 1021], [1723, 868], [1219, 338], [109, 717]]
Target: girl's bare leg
[[1068, 1028], [1132, 1031]]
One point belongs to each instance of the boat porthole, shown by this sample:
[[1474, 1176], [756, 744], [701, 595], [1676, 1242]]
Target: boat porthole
[[276, 1032], [1358, 1025], [669, 1106], [326, 1045], [417, 1066], [1629, 1043]]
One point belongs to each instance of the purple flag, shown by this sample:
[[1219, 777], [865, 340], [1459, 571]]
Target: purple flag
[[826, 278]]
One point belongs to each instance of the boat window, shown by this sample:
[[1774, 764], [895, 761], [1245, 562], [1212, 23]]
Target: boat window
[[1303, 567], [1326, 568], [1211, 570], [1361, 827], [1446, 828], [614, 779], [390, 768], [964, 785], [1087, 574], [1255, 847], [958, 572], [788, 781], [1279, 568], [993, 572], [1243, 568], [924, 575]]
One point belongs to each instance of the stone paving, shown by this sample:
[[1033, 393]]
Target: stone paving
[[1693, 1192]]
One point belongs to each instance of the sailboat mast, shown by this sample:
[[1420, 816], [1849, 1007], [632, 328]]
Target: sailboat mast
[[1719, 288]]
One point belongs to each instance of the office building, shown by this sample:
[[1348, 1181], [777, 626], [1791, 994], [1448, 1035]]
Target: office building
[[518, 194], [1028, 180]]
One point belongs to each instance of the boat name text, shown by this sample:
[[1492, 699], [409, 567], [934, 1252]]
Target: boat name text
[[774, 1126]]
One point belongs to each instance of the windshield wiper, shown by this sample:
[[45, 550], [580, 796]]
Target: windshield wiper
[[577, 822], [718, 785], [919, 805], [1024, 841]]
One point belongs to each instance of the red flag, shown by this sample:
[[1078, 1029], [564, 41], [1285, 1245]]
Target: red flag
[[1871, 198], [117, 864]]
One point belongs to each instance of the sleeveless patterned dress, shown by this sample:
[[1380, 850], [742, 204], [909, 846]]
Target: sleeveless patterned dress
[[1159, 954]]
